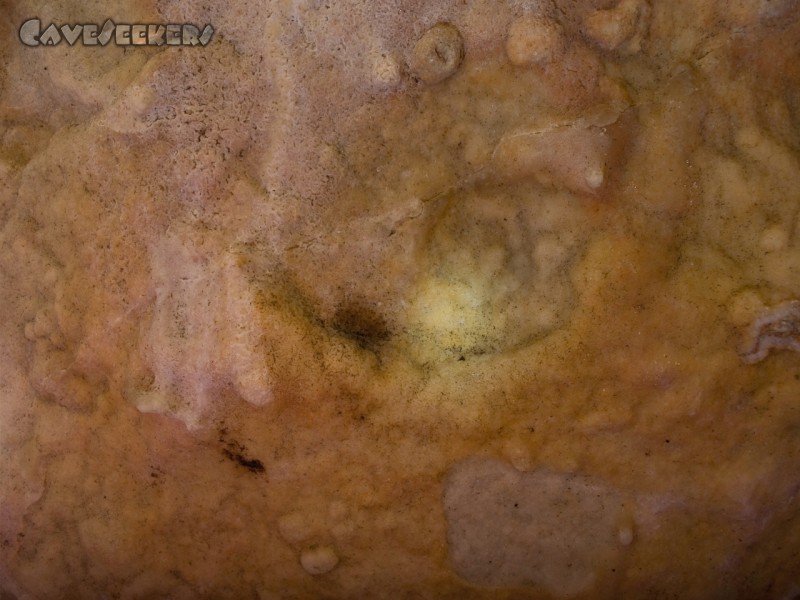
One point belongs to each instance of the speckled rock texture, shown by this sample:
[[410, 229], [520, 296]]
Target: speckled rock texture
[[402, 299]]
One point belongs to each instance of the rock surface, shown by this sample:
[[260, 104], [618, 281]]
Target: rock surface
[[290, 316]]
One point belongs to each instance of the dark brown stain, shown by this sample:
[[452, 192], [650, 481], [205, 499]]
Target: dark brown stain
[[361, 323]]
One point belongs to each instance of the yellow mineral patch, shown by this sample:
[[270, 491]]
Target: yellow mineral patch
[[452, 317]]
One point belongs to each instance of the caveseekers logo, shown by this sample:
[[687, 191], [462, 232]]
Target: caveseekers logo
[[91, 34]]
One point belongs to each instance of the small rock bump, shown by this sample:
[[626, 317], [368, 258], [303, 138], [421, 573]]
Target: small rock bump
[[744, 307], [550, 254], [774, 239], [318, 560], [534, 40], [294, 527], [437, 54], [42, 324], [57, 340], [625, 536], [610, 29], [344, 529], [385, 71], [594, 177], [518, 454], [51, 276], [337, 510], [30, 333]]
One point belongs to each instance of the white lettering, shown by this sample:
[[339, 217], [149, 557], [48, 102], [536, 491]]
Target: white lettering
[[71, 34], [139, 35], [90, 35], [106, 33], [205, 37], [29, 32], [173, 35], [50, 36], [123, 34]]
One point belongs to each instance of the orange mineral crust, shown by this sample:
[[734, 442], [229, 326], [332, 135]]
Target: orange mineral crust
[[400, 299]]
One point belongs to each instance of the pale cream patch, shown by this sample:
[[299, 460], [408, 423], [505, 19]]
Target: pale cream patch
[[545, 529], [204, 332]]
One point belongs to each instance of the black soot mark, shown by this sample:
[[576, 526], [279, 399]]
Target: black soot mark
[[236, 452]]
